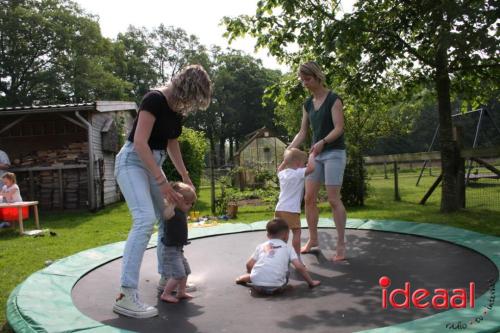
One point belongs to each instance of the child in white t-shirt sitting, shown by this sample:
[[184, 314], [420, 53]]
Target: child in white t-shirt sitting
[[291, 174], [267, 268], [10, 191]]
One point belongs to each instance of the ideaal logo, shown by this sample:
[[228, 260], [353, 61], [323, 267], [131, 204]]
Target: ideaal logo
[[422, 298], [439, 299], [461, 325]]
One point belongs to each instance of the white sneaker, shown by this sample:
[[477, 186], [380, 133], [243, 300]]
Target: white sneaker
[[128, 304], [190, 287]]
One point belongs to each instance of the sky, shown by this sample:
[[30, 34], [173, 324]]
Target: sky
[[198, 17]]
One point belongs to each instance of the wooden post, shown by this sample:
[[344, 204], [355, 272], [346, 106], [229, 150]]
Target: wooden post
[[37, 221], [32, 185], [433, 187], [362, 183], [20, 217], [212, 175], [61, 190], [385, 171], [460, 166], [397, 197]]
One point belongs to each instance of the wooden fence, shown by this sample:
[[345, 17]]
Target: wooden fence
[[470, 154]]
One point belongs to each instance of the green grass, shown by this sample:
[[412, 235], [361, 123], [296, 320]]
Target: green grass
[[77, 231]]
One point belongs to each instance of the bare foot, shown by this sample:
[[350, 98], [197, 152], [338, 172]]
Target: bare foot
[[309, 245], [241, 281], [340, 256], [169, 298], [184, 296], [314, 283]]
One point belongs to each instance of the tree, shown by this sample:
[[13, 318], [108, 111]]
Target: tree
[[133, 60], [173, 49], [193, 147], [52, 51], [388, 43], [237, 107]]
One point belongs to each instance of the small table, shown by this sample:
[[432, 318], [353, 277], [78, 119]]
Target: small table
[[19, 206]]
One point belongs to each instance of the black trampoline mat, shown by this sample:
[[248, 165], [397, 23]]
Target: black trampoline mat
[[348, 300]]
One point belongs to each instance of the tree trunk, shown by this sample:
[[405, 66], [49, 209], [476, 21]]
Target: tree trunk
[[211, 161], [449, 151], [222, 151], [231, 152]]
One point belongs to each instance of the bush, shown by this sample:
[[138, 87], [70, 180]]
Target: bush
[[355, 184], [193, 147]]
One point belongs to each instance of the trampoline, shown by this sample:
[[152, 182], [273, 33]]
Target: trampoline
[[77, 292]]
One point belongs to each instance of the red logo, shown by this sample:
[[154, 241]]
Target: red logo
[[422, 298]]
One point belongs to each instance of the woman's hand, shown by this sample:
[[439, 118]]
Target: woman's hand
[[169, 193], [318, 148]]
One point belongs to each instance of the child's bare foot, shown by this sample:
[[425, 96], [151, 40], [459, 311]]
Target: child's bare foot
[[169, 298], [243, 280], [314, 283], [184, 296], [340, 256], [309, 245]]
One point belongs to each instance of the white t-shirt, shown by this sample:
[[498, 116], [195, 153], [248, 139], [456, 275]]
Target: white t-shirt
[[15, 190], [4, 159], [291, 189], [272, 260]]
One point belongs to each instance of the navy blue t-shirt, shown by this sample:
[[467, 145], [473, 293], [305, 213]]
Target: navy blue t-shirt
[[176, 230], [168, 123]]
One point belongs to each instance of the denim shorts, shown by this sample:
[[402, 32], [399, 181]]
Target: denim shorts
[[176, 265], [329, 167]]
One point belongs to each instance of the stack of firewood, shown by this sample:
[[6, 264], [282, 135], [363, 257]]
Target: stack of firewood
[[46, 183], [74, 153]]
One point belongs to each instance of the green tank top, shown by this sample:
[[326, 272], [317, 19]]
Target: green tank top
[[321, 121]]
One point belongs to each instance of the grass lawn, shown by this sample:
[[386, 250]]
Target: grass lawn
[[77, 231]]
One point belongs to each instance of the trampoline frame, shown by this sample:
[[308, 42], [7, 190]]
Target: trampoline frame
[[52, 285]]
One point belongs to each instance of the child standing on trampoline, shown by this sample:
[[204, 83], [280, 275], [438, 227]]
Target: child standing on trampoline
[[176, 266], [291, 174], [267, 268]]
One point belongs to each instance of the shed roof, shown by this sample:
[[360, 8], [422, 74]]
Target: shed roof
[[99, 106]]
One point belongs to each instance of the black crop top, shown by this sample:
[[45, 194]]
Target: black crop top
[[168, 123]]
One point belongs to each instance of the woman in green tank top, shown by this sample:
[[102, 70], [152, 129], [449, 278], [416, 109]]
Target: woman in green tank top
[[323, 112]]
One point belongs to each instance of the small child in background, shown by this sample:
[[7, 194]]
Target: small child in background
[[176, 237], [267, 268], [10, 191], [291, 174]]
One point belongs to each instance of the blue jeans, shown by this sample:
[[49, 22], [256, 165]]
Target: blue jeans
[[145, 203]]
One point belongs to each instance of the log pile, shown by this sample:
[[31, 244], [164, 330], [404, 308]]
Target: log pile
[[73, 153], [48, 189]]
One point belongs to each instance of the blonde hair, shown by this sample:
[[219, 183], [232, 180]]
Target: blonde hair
[[312, 68], [191, 89], [187, 191], [294, 155], [10, 176]]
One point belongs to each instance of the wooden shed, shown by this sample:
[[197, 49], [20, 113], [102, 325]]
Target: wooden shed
[[263, 150], [63, 155]]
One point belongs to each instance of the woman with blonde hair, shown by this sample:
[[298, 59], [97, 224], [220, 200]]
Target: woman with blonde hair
[[138, 171], [323, 112]]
